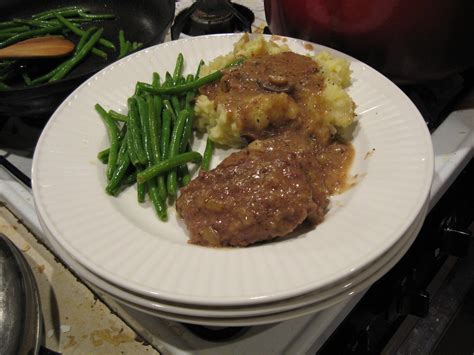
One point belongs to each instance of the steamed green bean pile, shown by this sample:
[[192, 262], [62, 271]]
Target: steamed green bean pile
[[72, 21], [151, 145]]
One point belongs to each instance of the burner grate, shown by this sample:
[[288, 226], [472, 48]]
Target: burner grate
[[212, 16]]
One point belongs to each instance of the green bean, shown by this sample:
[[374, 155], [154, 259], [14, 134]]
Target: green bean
[[83, 14], [121, 44], [7, 24], [28, 34], [34, 23], [132, 152], [127, 49], [49, 75], [168, 80], [206, 159], [172, 182], [4, 87], [177, 89], [176, 104], [155, 130], [158, 202], [141, 188], [145, 128], [14, 30], [118, 116], [165, 134], [178, 69], [198, 71], [112, 132], [136, 45], [167, 165], [129, 179], [71, 63], [147, 116], [80, 32], [51, 12], [123, 162], [134, 127], [156, 80], [153, 127], [169, 107], [84, 39], [103, 155], [26, 79]]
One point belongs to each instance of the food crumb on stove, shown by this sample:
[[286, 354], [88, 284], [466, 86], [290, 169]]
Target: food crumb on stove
[[369, 153], [71, 341], [25, 248], [65, 328], [41, 268]]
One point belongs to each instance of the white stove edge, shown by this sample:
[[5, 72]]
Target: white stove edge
[[453, 145]]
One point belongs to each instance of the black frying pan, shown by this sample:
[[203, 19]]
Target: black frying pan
[[143, 21]]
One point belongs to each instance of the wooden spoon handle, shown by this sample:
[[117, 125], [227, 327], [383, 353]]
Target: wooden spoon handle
[[50, 46]]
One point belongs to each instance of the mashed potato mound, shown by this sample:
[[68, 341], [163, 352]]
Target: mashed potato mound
[[221, 124]]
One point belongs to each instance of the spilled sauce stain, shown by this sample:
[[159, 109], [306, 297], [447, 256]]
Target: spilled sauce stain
[[71, 341], [111, 336]]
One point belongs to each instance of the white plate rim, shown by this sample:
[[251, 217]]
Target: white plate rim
[[204, 299]]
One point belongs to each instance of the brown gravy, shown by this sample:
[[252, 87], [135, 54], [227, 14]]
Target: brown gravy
[[289, 170]]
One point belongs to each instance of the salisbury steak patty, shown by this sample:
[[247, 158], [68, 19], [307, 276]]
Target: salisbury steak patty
[[251, 196]]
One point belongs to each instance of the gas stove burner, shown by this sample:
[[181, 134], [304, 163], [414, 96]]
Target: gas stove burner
[[216, 334], [212, 16]]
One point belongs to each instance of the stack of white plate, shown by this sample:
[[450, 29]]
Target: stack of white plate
[[121, 247]]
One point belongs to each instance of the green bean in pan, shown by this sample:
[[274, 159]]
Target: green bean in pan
[[167, 165], [206, 159], [32, 33], [80, 32], [84, 39], [67, 10], [178, 89], [84, 14], [121, 44], [4, 87], [14, 30], [71, 63], [112, 132]]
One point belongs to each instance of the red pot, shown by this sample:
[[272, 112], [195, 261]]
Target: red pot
[[407, 40]]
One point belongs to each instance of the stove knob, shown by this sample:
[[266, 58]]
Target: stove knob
[[414, 302], [456, 238]]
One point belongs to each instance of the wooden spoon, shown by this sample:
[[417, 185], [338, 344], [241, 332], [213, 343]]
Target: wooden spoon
[[50, 46]]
